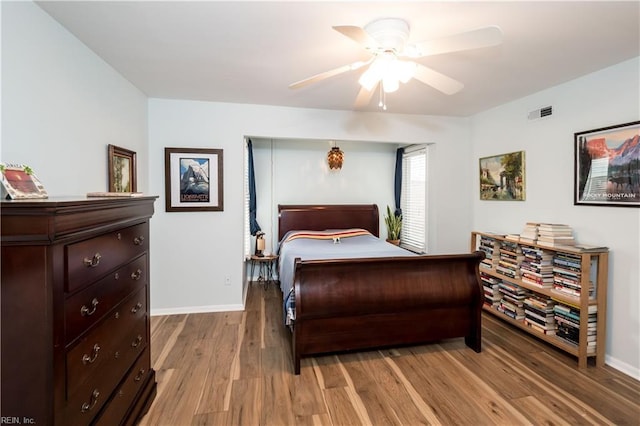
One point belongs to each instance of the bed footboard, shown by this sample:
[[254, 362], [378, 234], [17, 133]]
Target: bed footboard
[[351, 304]]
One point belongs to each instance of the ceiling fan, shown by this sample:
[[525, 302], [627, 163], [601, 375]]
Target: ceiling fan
[[387, 41]]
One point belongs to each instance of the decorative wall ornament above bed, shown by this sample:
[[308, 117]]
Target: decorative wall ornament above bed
[[335, 157]]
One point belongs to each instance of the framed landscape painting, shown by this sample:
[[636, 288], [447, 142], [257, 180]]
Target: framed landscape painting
[[122, 169], [607, 166], [193, 179], [502, 177]]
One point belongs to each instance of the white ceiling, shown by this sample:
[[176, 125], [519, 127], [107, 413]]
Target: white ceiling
[[249, 52]]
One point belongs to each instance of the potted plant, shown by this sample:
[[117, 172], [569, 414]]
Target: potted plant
[[394, 226]]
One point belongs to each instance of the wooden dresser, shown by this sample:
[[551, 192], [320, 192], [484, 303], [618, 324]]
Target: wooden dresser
[[75, 311]]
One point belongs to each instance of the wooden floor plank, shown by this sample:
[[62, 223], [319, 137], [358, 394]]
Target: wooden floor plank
[[307, 395], [276, 404], [538, 412], [247, 402], [328, 371], [235, 368], [341, 409], [382, 392]]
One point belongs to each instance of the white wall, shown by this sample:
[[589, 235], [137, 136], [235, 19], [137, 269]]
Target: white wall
[[193, 253], [296, 172], [62, 105], [608, 97]]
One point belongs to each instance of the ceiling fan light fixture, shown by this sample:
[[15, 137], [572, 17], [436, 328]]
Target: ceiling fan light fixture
[[370, 78], [390, 83], [405, 70], [390, 70]]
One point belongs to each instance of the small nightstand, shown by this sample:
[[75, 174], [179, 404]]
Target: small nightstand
[[266, 268]]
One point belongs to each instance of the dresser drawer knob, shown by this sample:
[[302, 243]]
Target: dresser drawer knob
[[137, 342], [138, 240], [92, 402], [85, 312], [136, 308], [136, 275], [140, 375], [90, 359], [93, 262]]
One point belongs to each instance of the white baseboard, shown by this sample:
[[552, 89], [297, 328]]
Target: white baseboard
[[623, 367], [197, 309]]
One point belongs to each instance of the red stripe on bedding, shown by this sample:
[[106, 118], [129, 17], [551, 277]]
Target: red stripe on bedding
[[327, 235]]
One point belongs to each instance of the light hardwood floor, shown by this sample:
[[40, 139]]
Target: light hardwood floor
[[235, 368]]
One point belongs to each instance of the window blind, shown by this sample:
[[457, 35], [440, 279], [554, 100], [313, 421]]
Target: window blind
[[413, 200], [247, 226]]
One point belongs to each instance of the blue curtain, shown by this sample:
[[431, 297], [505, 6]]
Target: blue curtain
[[398, 180], [253, 223]]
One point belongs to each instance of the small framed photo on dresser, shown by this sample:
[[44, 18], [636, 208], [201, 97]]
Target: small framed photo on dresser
[[19, 182], [122, 169]]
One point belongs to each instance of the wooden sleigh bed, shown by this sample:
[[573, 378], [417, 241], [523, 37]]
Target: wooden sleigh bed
[[365, 303]]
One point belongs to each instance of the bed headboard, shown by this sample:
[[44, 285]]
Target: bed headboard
[[319, 217]]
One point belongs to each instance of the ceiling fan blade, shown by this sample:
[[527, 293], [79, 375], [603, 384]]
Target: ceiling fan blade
[[358, 35], [364, 97], [475, 39], [319, 77], [441, 82], [328, 74]]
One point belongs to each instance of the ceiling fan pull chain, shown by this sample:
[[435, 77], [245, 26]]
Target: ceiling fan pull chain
[[382, 95]]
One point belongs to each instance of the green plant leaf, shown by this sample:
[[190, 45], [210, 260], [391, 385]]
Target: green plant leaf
[[393, 223]]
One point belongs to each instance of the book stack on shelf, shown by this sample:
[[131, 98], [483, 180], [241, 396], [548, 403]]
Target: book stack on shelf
[[554, 235], [513, 237], [558, 294], [539, 314], [512, 300], [567, 274], [510, 258], [529, 234], [568, 320], [488, 246], [491, 287], [536, 267]]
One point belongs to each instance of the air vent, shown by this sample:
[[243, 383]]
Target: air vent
[[540, 113]]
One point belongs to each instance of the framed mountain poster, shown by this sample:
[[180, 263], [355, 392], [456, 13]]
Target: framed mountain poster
[[607, 166]]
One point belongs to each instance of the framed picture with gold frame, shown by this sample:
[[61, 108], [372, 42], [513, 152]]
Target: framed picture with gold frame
[[502, 177], [122, 169]]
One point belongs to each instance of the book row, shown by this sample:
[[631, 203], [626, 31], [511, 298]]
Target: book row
[[558, 271], [538, 312]]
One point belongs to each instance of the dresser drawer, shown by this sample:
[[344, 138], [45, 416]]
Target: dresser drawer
[[125, 394], [90, 395], [87, 307], [96, 351], [88, 260]]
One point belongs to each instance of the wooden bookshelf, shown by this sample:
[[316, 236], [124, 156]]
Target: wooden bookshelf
[[593, 272]]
